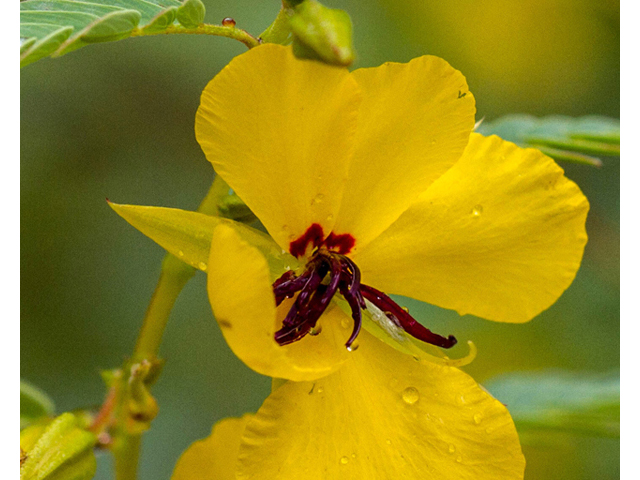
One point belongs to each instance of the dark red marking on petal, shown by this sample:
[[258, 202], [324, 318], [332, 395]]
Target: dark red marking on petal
[[314, 236], [341, 244]]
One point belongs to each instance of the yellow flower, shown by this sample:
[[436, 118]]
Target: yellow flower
[[369, 182]]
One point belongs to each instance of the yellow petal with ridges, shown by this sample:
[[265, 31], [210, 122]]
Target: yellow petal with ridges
[[213, 458], [382, 416], [500, 236], [415, 120], [242, 300], [280, 130]]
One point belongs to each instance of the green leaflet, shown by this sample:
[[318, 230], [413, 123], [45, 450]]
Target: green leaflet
[[569, 139], [557, 401], [56, 27], [191, 13], [34, 404]]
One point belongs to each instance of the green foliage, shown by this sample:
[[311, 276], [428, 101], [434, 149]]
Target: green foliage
[[561, 402], [571, 139], [191, 13], [61, 452], [34, 404], [562, 138], [56, 27]]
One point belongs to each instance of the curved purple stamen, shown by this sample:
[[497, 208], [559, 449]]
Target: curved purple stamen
[[314, 297]]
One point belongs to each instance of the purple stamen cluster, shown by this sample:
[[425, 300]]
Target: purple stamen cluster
[[315, 294]]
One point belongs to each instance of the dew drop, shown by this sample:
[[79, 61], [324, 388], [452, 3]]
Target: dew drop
[[461, 400], [317, 199], [344, 323], [202, 266], [353, 347], [477, 211], [228, 22], [452, 448], [315, 330], [410, 395], [180, 253], [344, 460], [330, 218], [353, 455], [459, 459], [320, 390], [388, 441], [477, 418], [433, 141]]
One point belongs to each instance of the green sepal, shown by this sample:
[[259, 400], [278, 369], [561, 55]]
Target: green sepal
[[541, 403], [142, 407], [34, 404], [322, 33], [61, 452], [187, 235], [191, 13]]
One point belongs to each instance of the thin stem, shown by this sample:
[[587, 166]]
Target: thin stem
[[205, 29], [126, 454]]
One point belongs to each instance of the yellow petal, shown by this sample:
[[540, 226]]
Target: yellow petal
[[382, 416], [280, 130], [500, 236], [242, 300], [213, 458], [415, 120]]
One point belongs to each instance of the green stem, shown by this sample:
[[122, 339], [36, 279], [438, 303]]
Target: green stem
[[126, 456], [174, 276], [205, 29]]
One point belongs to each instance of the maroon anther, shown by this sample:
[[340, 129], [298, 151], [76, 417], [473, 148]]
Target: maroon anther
[[315, 294]]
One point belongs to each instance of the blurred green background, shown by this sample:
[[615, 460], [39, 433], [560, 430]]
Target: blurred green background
[[116, 120]]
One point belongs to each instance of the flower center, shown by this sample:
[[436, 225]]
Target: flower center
[[328, 272]]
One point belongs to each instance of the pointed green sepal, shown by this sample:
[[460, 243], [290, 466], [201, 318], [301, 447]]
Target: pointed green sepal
[[191, 13], [187, 235], [59, 451], [322, 33]]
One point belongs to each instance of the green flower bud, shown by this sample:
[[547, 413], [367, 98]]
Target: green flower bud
[[322, 33], [58, 451]]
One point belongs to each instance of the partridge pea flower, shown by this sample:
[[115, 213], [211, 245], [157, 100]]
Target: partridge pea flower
[[369, 183]]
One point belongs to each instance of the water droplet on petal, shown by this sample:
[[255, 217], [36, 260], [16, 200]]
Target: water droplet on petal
[[330, 218], [353, 347], [320, 390], [317, 199], [344, 323], [459, 459], [410, 395], [353, 455], [477, 211], [477, 418], [344, 460], [180, 253], [433, 141], [388, 442], [202, 266], [452, 448], [461, 400]]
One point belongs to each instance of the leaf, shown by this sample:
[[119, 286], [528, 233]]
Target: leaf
[[562, 138], [34, 404], [56, 27], [561, 402], [191, 13]]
